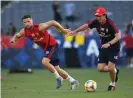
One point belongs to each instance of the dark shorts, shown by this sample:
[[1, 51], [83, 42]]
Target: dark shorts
[[53, 54], [107, 55], [129, 52]]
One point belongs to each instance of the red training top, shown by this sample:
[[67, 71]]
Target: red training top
[[43, 39]]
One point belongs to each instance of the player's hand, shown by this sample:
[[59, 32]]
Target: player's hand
[[106, 45], [72, 33], [67, 31], [12, 41]]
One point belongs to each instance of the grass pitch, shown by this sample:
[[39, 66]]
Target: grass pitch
[[41, 84]]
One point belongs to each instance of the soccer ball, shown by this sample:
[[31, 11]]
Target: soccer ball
[[90, 86]]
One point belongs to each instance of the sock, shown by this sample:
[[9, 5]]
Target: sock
[[112, 83], [70, 79], [56, 74], [115, 70]]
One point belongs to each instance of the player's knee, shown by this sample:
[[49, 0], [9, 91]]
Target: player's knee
[[110, 68], [100, 68], [45, 61]]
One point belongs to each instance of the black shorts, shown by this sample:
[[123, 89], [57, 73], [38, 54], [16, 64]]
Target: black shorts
[[106, 55]]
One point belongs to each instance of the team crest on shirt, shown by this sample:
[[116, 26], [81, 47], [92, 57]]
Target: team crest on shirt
[[104, 30]]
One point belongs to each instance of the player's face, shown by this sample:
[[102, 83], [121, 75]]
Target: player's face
[[101, 19], [28, 22]]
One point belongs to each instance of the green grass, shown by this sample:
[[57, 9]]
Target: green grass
[[41, 84]]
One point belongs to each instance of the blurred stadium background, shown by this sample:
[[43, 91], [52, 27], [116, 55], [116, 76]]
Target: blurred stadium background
[[79, 52]]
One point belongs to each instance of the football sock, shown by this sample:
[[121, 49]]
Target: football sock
[[112, 83], [56, 74], [70, 79]]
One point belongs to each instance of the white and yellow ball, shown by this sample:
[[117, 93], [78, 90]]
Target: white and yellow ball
[[90, 86]]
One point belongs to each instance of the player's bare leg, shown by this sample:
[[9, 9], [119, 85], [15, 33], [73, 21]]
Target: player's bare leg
[[65, 75], [112, 71], [113, 75], [62, 73], [50, 67], [101, 66]]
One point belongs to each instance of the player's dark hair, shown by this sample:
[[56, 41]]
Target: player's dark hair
[[105, 15], [26, 16]]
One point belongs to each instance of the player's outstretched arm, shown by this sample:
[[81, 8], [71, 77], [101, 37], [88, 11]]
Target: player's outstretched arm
[[48, 24], [81, 28], [17, 36]]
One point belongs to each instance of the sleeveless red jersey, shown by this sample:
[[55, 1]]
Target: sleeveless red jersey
[[43, 39]]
